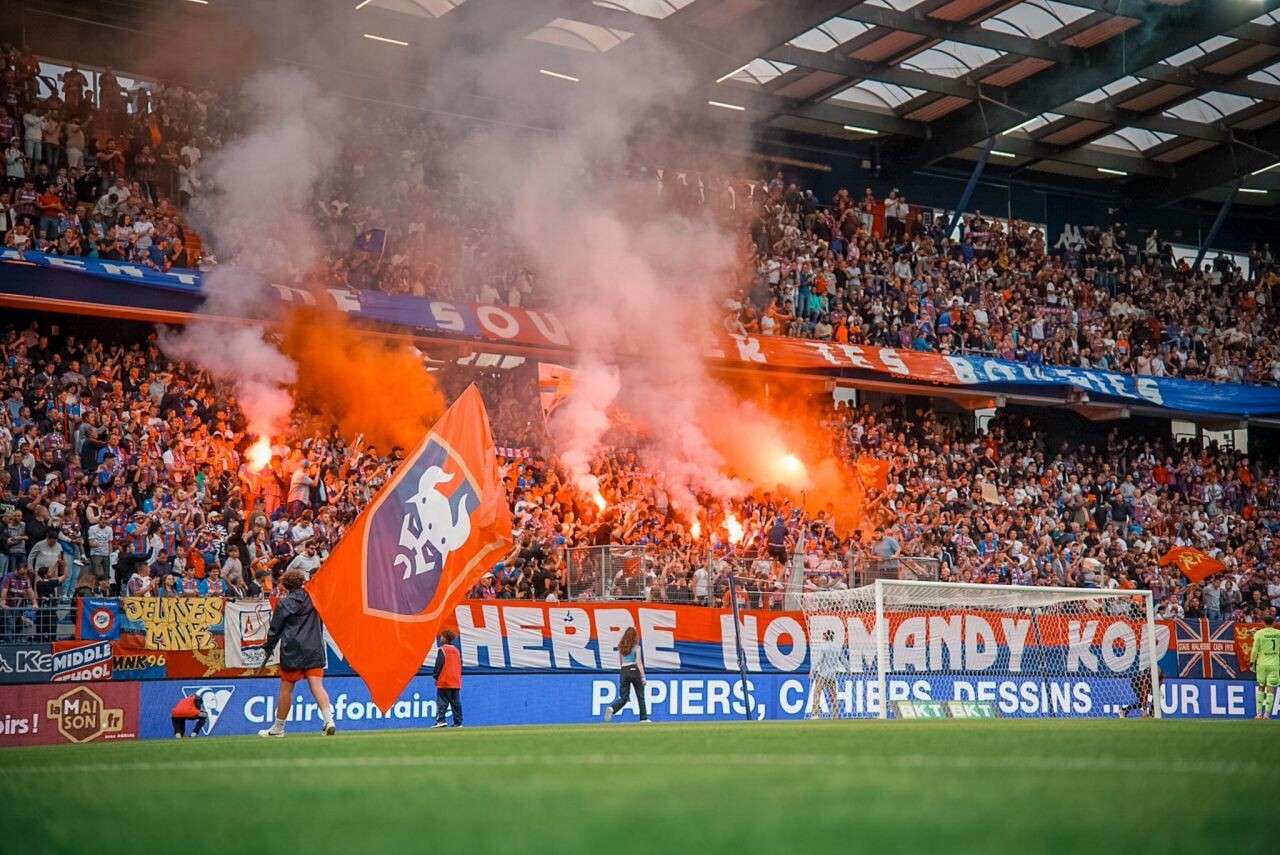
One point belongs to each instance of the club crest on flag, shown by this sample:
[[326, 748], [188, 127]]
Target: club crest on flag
[[417, 527]]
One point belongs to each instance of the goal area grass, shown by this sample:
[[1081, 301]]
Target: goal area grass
[[1028, 786]]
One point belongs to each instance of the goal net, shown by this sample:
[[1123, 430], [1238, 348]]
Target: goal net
[[948, 650]]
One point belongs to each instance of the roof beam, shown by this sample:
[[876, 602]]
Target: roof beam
[[1194, 77], [1158, 36], [1147, 122], [712, 49], [1216, 167], [1257, 33], [970, 35], [861, 70], [857, 69], [1092, 157], [764, 106]]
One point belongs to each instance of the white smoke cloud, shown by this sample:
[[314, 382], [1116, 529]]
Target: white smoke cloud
[[637, 284], [253, 211]]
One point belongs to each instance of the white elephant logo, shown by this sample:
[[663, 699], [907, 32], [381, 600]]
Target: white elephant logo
[[431, 523]]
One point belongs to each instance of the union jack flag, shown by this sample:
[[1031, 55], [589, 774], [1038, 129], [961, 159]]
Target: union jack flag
[[1206, 649]]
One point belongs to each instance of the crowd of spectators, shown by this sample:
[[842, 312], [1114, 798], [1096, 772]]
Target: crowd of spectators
[[1097, 298], [122, 474], [996, 506], [122, 469], [101, 173], [104, 173]]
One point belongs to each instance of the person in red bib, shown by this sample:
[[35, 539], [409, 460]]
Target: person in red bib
[[190, 708], [448, 674]]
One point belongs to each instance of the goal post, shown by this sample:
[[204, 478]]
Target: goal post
[[918, 649]]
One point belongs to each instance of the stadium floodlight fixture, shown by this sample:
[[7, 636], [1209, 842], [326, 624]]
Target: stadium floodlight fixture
[[559, 76], [1021, 126], [201, 2], [858, 130], [725, 106], [1265, 169], [997, 153], [1104, 170], [362, 4], [1253, 190], [731, 73], [385, 39]]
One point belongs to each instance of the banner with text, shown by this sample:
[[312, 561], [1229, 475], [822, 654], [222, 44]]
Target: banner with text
[[171, 623], [246, 623], [242, 707], [113, 286]]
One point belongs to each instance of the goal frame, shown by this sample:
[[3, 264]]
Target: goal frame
[[880, 586]]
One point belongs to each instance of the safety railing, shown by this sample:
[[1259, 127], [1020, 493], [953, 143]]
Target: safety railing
[[53, 620], [916, 568]]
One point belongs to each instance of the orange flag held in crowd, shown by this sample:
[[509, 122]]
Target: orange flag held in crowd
[[440, 523], [1244, 644], [873, 472], [1193, 563]]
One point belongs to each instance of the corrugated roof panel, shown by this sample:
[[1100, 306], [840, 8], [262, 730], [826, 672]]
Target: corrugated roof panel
[[1259, 120], [1112, 89], [1020, 70], [1196, 51], [829, 34], [939, 108], [648, 8], [963, 10], [1102, 32], [1180, 153], [1132, 139], [952, 59], [1239, 60], [723, 13], [760, 71], [1073, 133], [1154, 98], [887, 46], [1210, 107], [809, 85], [1035, 18], [877, 94]]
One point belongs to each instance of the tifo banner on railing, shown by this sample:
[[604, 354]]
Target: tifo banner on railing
[[111, 286], [171, 623], [183, 638], [247, 623]]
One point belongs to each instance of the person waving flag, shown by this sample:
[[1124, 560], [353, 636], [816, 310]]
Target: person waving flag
[[430, 533]]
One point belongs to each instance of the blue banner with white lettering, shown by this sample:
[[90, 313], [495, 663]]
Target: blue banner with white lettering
[[91, 285], [242, 707]]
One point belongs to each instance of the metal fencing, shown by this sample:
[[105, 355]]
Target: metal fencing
[[53, 620], [611, 572], [913, 568]]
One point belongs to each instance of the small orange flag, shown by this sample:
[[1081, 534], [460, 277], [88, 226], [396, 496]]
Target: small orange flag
[[873, 472], [1193, 563], [439, 524]]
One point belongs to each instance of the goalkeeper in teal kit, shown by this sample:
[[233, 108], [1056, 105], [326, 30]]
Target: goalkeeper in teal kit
[[1265, 660]]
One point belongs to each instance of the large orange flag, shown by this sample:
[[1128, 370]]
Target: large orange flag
[[1193, 563], [392, 583]]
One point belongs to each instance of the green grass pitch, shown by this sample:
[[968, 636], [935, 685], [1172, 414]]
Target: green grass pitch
[[950, 786]]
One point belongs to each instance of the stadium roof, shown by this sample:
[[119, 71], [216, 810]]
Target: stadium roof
[[1181, 97], [1160, 99]]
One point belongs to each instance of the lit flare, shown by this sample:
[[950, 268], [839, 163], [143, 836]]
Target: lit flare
[[735, 529], [259, 454]]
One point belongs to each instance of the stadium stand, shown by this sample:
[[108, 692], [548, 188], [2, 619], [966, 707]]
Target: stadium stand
[[115, 436]]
